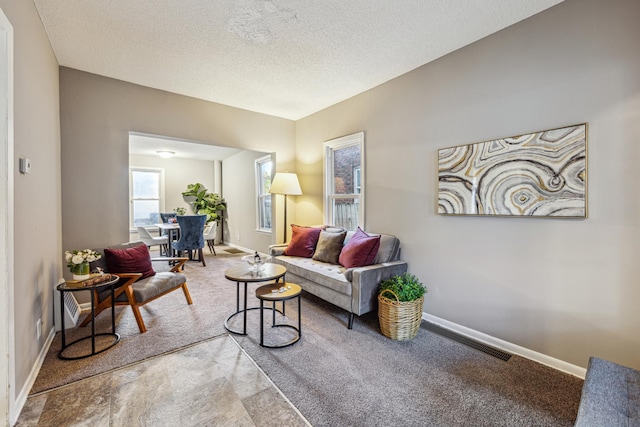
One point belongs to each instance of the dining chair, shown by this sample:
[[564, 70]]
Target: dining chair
[[149, 240], [210, 231], [191, 236]]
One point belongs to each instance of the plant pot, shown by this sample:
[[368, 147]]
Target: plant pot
[[81, 271], [399, 320]]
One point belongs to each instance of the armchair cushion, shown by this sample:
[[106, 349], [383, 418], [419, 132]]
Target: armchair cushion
[[130, 260]]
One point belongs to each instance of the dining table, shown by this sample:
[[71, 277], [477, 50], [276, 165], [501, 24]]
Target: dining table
[[173, 232]]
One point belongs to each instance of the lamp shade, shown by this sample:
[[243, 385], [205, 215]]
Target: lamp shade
[[285, 183]]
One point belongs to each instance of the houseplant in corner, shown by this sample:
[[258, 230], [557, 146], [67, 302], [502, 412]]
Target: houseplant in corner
[[204, 203], [400, 303]]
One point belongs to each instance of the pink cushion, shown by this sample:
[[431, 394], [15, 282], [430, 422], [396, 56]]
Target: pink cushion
[[360, 250], [129, 260], [303, 241]]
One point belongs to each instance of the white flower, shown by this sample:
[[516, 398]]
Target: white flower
[[77, 259]]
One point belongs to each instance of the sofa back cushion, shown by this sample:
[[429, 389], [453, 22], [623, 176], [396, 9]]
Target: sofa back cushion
[[389, 249]]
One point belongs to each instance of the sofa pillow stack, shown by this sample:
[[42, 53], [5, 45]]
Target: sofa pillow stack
[[327, 246]]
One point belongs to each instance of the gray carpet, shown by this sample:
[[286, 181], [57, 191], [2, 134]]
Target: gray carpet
[[336, 376], [358, 377]]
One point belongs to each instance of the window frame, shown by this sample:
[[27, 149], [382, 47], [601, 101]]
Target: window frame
[[161, 191], [260, 196], [356, 139]]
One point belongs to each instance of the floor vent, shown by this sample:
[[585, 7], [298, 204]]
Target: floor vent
[[492, 351]]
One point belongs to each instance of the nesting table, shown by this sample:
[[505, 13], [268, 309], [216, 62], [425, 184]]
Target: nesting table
[[279, 292], [245, 274]]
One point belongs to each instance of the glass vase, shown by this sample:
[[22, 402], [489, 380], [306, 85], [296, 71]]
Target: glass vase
[[81, 271]]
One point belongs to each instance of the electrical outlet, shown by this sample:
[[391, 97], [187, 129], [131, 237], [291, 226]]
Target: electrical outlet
[[38, 328]]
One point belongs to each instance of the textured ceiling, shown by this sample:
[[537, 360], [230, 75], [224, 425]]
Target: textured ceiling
[[287, 58]]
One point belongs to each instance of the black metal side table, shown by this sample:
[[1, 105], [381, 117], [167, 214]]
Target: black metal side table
[[279, 292], [63, 287], [244, 274]]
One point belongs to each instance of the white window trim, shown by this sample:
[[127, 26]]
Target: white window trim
[[328, 148], [258, 162], [133, 229]]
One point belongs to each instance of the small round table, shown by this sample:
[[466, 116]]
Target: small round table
[[64, 287], [279, 292], [245, 274]]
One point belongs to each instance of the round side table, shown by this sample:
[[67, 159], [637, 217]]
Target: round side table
[[245, 274], [64, 287], [275, 292]]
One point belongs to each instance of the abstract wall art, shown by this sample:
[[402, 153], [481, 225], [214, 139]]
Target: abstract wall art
[[542, 174]]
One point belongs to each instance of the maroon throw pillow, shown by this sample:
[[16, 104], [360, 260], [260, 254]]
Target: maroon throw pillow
[[129, 260], [303, 241], [360, 250]]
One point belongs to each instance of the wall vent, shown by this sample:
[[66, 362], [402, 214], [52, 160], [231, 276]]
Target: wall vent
[[71, 309], [448, 333]]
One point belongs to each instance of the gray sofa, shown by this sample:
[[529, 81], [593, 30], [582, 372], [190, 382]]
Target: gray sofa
[[355, 289], [610, 395]]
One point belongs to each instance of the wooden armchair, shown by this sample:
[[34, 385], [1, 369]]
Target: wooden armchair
[[141, 287]]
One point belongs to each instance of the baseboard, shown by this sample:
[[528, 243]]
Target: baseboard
[[21, 398], [558, 364], [242, 248]]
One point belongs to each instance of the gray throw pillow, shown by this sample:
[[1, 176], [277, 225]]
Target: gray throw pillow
[[329, 247]]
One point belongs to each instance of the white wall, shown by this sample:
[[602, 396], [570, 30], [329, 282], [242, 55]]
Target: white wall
[[565, 288], [239, 189], [178, 173]]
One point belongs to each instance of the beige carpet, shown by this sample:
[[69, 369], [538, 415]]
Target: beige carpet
[[171, 324]]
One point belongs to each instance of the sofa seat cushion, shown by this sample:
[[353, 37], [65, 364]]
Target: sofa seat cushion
[[322, 273], [151, 287]]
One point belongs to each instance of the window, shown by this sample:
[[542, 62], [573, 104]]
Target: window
[[344, 181], [263, 183], [146, 191]]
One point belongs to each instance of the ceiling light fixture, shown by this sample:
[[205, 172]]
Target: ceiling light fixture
[[165, 154]]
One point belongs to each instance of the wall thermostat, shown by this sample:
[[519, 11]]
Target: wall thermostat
[[25, 165]]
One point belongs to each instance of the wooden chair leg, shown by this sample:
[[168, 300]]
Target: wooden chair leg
[[136, 310], [201, 255], [186, 293]]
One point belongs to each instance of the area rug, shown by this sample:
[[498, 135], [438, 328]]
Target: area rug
[[358, 377], [171, 324]]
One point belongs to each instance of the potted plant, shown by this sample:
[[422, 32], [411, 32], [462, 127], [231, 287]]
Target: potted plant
[[180, 210], [204, 203], [400, 303]]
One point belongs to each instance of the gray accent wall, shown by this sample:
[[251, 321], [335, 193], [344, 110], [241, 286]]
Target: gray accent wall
[[97, 114], [565, 288], [37, 198]]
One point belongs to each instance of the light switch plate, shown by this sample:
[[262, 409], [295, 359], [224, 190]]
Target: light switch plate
[[25, 165]]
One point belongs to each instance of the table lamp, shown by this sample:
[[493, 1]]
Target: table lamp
[[286, 184]]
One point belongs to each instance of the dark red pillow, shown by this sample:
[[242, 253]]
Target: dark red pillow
[[360, 250], [303, 241], [129, 260]]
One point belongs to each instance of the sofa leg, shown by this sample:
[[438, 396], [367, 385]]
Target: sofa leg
[[351, 320]]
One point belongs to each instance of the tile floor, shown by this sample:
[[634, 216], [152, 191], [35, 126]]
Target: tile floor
[[213, 383]]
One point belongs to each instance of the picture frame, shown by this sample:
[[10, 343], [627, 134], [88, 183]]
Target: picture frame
[[539, 174]]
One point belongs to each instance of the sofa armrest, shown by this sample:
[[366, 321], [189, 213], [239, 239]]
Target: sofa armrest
[[275, 250], [365, 284]]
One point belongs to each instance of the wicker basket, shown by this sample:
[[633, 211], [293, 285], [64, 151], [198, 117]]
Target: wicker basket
[[399, 320]]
